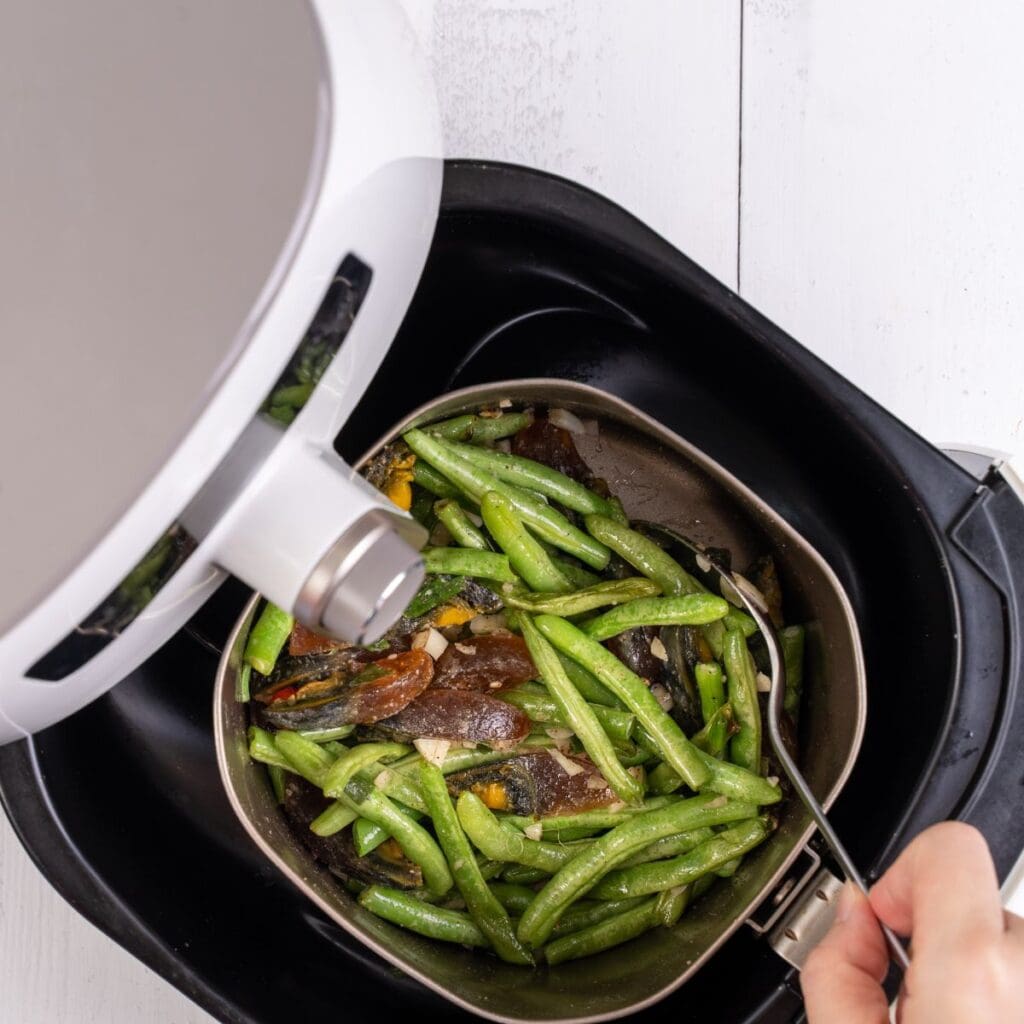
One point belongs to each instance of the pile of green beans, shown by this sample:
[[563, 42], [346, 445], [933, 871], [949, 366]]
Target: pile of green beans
[[689, 805]]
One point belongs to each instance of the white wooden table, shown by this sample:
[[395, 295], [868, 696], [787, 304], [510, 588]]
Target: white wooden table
[[854, 169]]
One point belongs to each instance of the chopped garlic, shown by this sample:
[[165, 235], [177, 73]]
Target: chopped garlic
[[597, 782], [658, 649], [419, 639], [772, 780], [764, 684], [719, 801], [496, 685], [751, 591], [566, 420], [662, 696], [435, 644], [383, 778], [534, 831], [433, 750], [474, 518], [465, 649], [703, 563], [559, 732], [505, 403], [569, 767]]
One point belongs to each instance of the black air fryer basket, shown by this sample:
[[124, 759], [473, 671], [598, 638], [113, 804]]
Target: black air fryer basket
[[122, 808]]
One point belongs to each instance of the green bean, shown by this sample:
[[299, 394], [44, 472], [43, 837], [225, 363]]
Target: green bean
[[729, 868], [535, 476], [588, 684], [618, 725], [632, 754], [670, 846], [464, 532], [583, 871], [468, 562], [526, 556], [631, 690], [607, 592], [514, 898], [580, 717], [242, 681], [310, 760], [325, 735], [643, 554], [520, 874], [552, 526], [500, 841], [416, 842], [356, 760], [572, 570], [711, 687], [712, 738], [263, 748], [737, 783], [460, 759], [395, 784], [792, 640], [267, 637], [663, 780], [481, 429], [745, 746], [671, 904], [584, 913], [276, 773], [284, 414], [598, 937], [605, 817], [295, 395], [368, 835], [484, 908], [333, 818], [409, 912], [569, 835], [430, 480], [687, 610], [667, 874]]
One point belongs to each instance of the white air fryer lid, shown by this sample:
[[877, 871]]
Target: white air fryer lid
[[180, 184]]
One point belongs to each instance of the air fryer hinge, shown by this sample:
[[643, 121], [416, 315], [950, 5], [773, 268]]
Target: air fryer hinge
[[790, 886], [807, 920]]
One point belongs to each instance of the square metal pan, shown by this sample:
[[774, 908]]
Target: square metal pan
[[661, 478]]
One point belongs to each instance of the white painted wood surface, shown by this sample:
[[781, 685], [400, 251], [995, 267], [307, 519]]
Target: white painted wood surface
[[882, 224]]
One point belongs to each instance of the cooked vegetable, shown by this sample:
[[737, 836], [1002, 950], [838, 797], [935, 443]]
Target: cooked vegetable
[[689, 610], [464, 532], [268, 636], [483, 906], [579, 715], [552, 526], [525, 554], [526, 718], [434, 922], [792, 640], [581, 873]]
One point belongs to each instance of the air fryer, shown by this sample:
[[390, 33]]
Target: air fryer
[[532, 276]]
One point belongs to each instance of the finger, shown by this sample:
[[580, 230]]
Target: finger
[[942, 885], [841, 979]]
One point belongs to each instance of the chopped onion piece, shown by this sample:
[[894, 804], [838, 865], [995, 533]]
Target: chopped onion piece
[[569, 767], [483, 625], [662, 696], [433, 750], [658, 649], [567, 421], [751, 591], [764, 684], [534, 831]]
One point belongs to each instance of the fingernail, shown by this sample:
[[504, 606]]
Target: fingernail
[[848, 900]]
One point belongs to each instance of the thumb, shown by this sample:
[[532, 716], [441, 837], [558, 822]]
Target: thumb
[[841, 980]]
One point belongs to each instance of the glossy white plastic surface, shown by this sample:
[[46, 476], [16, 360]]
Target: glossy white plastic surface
[[375, 196]]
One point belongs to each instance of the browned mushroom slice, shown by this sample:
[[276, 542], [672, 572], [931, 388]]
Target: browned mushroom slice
[[489, 664]]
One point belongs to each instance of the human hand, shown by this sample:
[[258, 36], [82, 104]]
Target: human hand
[[967, 957]]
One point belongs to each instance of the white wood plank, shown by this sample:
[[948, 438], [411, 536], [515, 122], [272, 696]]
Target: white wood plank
[[882, 208], [638, 101], [55, 967]]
